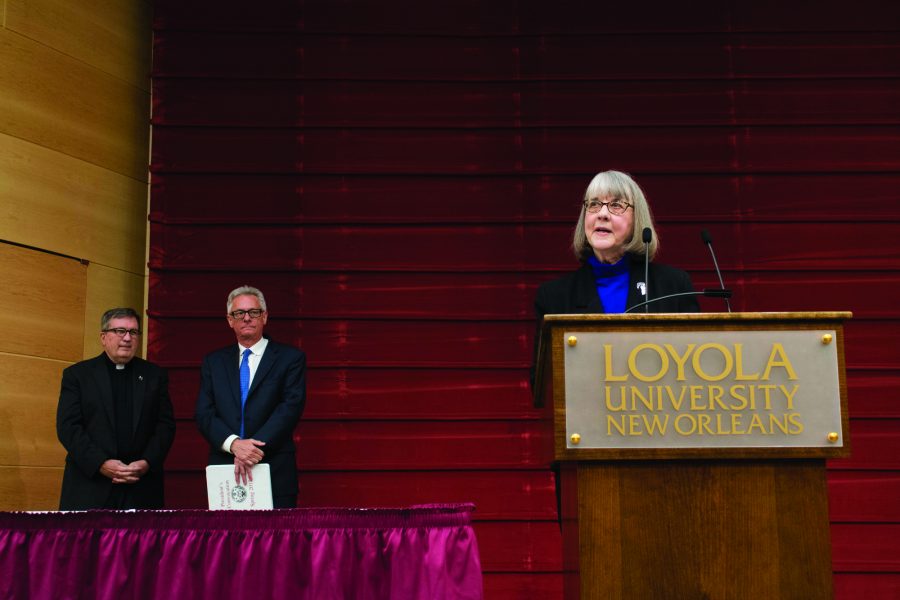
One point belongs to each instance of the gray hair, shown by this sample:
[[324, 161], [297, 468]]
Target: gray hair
[[245, 290], [118, 313], [617, 185]]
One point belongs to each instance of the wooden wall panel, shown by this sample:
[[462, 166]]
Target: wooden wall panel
[[63, 204], [43, 302], [30, 488], [111, 35], [62, 103], [74, 135], [28, 411], [109, 288]]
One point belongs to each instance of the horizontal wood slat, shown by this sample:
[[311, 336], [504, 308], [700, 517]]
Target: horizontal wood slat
[[546, 151], [108, 35], [63, 204], [28, 403], [397, 445], [293, 103], [874, 394], [56, 101], [508, 17], [656, 55], [445, 393], [849, 586], [507, 495], [865, 345], [766, 291], [515, 546], [862, 548], [479, 198], [434, 344], [405, 445], [864, 496], [876, 446], [440, 296], [388, 394], [513, 247], [44, 297], [515, 586], [30, 488], [502, 295], [362, 343]]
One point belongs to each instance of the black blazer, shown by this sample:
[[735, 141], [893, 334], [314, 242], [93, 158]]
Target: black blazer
[[576, 293], [275, 402], [85, 425]]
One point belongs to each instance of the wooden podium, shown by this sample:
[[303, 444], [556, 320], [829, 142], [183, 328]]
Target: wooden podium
[[730, 505]]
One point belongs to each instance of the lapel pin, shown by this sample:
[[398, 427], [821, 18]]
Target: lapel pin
[[643, 287], [140, 377]]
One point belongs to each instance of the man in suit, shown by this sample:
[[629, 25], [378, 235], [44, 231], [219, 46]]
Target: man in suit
[[116, 422], [251, 397]]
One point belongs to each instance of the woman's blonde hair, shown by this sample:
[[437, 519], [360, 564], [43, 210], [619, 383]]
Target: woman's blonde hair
[[617, 184]]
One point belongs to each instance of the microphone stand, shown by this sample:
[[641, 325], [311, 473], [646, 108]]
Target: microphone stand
[[647, 237], [707, 239]]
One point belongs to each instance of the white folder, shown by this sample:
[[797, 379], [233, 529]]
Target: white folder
[[225, 494]]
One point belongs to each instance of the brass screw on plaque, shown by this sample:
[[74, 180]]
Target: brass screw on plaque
[[572, 340], [575, 438], [826, 339], [833, 437]]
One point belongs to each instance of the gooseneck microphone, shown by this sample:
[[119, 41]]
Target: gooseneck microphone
[[707, 239], [708, 292], [647, 236]]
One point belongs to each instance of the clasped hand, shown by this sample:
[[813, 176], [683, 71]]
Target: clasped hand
[[246, 454], [119, 472]]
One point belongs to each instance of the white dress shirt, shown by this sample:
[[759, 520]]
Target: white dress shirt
[[256, 352]]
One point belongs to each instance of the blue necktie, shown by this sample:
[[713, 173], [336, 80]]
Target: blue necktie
[[245, 384]]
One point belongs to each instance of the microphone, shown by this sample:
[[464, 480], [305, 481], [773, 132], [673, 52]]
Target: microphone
[[708, 292], [707, 239], [647, 236]]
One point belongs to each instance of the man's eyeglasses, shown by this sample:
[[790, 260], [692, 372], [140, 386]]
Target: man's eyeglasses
[[616, 206], [254, 313], [121, 331]]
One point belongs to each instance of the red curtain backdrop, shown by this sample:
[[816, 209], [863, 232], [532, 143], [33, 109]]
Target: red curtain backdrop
[[399, 177]]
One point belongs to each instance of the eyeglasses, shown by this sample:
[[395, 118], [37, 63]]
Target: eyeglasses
[[254, 313], [615, 206], [121, 331]]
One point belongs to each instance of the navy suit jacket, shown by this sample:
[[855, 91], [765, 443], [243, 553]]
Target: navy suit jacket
[[274, 404], [86, 427]]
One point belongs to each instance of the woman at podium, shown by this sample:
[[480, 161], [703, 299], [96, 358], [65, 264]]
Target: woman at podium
[[614, 239]]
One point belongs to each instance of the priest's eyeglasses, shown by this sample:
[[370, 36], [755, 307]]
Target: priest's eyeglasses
[[254, 313], [121, 331], [615, 206]]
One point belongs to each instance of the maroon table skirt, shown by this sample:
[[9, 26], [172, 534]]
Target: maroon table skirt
[[421, 552]]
